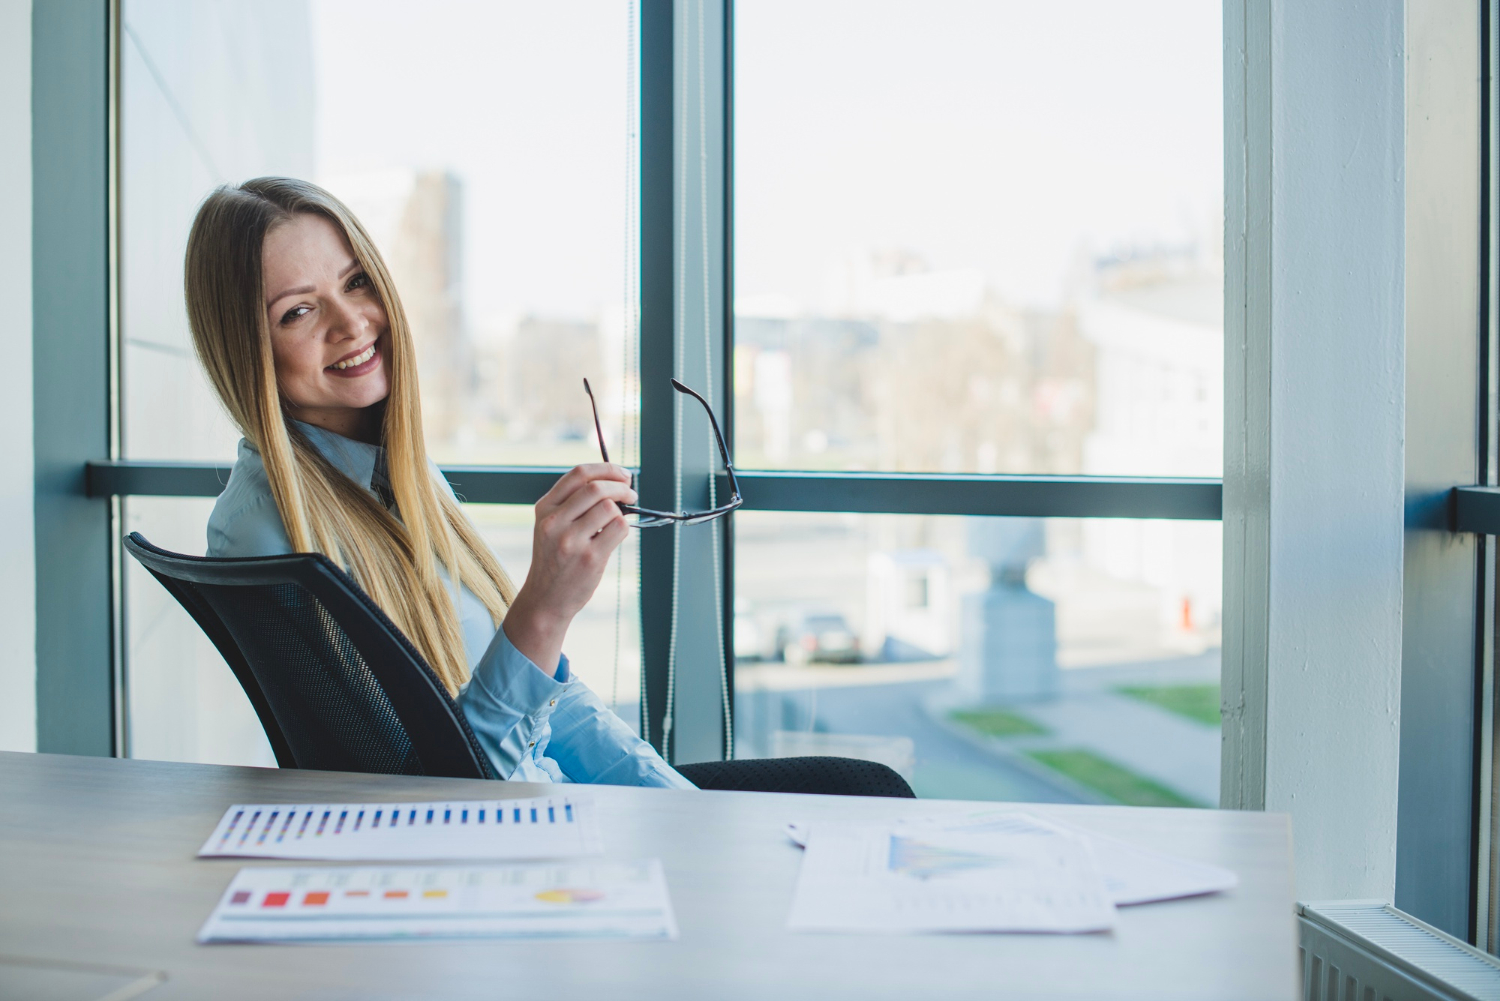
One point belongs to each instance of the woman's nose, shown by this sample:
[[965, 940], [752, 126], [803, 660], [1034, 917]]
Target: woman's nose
[[347, 320]]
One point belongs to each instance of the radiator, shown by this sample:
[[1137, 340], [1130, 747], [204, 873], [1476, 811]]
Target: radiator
[[1366, 950]]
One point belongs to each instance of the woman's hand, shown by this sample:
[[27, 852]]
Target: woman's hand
[[578, 526]]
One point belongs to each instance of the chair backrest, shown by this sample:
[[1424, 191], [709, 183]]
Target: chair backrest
[[336, 685], [824, 776]]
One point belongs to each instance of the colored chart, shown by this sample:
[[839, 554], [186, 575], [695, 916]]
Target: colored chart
[[556, 900], [926, 861], [569, 895]]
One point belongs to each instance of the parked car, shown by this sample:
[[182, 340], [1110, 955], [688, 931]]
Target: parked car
[[817, 636]]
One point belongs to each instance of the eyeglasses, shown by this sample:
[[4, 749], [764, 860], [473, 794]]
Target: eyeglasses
[[647, 518]]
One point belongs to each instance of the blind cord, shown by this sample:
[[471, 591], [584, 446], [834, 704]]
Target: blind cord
[[679, 320], [708, 390], [629, 322]]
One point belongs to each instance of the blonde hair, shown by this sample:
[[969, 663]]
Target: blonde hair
[[395, 560]]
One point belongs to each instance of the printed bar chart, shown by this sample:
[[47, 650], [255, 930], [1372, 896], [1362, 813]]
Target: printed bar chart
[[551, 827], [547, 900]]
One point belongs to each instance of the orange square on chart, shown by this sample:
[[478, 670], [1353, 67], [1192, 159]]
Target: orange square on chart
[[395, 894], [315, 898]]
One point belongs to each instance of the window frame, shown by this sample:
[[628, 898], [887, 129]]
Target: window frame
[[82, 480], [668, 89]]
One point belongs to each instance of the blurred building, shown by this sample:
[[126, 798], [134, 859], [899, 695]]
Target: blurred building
[[911, 370], [1155, 321], [542, 368]]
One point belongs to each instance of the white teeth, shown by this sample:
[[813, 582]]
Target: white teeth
[[358, 359]]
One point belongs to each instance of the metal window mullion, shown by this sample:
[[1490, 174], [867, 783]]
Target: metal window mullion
[[671, 278], [71, 375]]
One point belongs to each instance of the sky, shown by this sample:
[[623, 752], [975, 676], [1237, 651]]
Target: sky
[[1011, 137]]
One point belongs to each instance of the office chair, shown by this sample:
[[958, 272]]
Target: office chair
[[337, 687]]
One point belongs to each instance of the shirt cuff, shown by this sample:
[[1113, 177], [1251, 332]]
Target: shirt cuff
[[510, 678]]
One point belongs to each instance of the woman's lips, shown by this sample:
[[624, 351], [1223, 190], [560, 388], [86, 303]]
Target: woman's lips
[[363, 368]]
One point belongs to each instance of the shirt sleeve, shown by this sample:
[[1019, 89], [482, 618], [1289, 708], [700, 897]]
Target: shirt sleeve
[[508, 701], [591, 744]]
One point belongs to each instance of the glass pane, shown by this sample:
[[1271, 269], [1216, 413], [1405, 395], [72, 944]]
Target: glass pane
[[1025, 659], [185, 704], [975, 236], [183, 701], [494, 171]]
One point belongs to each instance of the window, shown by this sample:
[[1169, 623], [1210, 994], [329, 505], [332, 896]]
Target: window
[[491, 167], [991, 245], [972, 260]]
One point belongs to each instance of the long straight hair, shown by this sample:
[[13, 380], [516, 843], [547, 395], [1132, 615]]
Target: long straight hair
[[396, 560]]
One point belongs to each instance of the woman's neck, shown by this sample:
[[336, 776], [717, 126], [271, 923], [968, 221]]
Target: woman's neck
[[363, 424]]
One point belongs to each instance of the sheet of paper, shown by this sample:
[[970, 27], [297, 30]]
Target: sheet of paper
[[547, 827], [896, 879], [546, 900], [1133, 875]]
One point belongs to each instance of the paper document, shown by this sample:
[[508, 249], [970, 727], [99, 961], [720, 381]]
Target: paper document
[[894, 878], [1133, 875], [547, 827], [546, 900]]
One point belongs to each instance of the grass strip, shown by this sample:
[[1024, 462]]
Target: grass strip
[[1196, 702], [997, 723], [1109, 779]]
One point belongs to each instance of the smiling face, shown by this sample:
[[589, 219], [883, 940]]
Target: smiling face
[[329, 334]]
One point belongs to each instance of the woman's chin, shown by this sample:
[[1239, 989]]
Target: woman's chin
[[361, 393]]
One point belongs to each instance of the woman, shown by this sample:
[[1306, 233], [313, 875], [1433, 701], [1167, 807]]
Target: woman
[[301, 332]]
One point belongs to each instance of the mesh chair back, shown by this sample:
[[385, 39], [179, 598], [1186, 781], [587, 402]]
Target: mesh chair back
[[336, 685], [822, 775]]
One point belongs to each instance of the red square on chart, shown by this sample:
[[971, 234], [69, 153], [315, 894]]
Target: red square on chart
[[276, 900], [315, 898]]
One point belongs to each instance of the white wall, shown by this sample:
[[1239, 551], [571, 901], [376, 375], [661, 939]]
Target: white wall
[[17, 568], [1315, 369]]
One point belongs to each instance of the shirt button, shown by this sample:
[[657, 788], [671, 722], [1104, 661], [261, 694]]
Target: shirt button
[[552, 703], [532, 744]]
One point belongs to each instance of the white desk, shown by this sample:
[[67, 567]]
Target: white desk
[[97, 865]]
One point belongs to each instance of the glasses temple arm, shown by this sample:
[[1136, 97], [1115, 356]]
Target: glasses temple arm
[[713, 423], [604, 451]]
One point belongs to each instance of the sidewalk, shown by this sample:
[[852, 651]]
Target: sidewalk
[[1179, 753]]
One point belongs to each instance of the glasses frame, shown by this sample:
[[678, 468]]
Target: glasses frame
[[648, 518]]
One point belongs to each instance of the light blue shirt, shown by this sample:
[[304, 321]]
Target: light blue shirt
[[534, 728]]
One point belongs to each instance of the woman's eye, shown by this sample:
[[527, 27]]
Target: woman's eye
[[295, 313], [359, 281]]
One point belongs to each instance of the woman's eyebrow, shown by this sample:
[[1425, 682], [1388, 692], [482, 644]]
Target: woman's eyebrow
[[301, 289]]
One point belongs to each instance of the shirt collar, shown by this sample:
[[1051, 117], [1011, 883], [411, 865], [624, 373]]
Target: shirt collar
[[355, 459]]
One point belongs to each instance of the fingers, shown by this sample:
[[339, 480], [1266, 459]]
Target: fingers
[[616, 531], [594, 520], [578, 477], [590, 494]]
